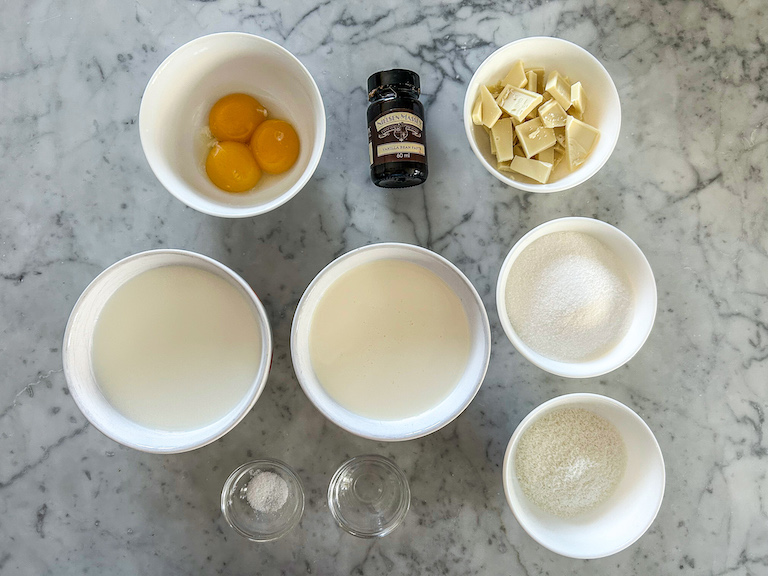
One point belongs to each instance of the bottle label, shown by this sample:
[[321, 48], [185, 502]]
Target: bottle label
[[397, 136]]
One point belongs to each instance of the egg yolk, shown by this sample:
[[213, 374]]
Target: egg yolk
[[235, 117], [275, 145], [232, 167]]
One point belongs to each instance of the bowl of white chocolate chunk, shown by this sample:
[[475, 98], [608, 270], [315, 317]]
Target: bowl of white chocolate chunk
[[542, 114]]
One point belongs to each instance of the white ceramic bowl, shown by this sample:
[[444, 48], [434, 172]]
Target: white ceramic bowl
[[437, 416], [643, 284], [78, 345], [603, 107], [180, 94], [625, 516]]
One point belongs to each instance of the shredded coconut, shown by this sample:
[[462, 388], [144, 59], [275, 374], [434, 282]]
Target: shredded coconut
[[570, 461], [568, 297]]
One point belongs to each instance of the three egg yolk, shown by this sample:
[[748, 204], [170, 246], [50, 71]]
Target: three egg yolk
[[247, 144]]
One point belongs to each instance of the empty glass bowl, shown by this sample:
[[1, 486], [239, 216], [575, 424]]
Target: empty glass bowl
[[277, 518], [369, 496]]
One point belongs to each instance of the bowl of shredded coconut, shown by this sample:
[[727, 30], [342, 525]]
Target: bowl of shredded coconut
[[584, 475], [576, 297]]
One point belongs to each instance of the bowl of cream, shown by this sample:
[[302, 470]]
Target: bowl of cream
[[390, 342], [167, 350]]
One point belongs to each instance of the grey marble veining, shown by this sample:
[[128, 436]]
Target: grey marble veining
[[687, 182]]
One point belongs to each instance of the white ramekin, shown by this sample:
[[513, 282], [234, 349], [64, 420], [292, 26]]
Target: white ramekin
[[437, 416], [177, 100], [640, 276], [629, 511], [78, 345], [603, 106]]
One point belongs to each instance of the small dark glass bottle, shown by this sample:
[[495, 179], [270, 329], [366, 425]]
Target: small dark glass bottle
[[397, 145]]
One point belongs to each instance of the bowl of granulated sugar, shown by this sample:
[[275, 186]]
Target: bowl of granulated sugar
[[584, 475], [576, 297]]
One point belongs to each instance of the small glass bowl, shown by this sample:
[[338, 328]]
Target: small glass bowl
[[369, 496], [261, 526]]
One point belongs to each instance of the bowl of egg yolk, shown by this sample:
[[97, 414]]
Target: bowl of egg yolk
[[232, 124]]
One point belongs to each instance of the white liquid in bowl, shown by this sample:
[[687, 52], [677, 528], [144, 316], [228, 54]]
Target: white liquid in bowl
[[389, 339], [176, 348]]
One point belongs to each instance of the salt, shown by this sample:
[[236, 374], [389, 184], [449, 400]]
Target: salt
[[568, 297], [267, 492]]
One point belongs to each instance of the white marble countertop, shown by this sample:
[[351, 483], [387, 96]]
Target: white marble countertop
[[687, 182]]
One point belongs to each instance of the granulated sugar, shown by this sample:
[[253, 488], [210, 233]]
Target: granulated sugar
[[568, 297], [569, 461]]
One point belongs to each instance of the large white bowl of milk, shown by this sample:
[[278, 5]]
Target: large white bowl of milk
[[390, 342], [167, 350]]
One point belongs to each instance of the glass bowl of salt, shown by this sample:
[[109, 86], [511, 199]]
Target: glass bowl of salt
[[263, 500]]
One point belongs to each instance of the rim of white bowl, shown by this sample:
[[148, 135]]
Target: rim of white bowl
[[506, 323], [243, 211], [565, 399], [319, 398], [525, 186], [261, 379]]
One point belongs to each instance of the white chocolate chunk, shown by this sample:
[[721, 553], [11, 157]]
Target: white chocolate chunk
[[547, 155], [552, 114], [496, 89], [503, 134], [580, 138], [560, 136], [491, 110], [516, 75], [535, 137], [534, 169], [490, 137], [477, 112], [518, 102], [518, 150], [578, 98], [560, 89], [502, 95], [540, 78], [559, 155], [503, 166], [533, 82]]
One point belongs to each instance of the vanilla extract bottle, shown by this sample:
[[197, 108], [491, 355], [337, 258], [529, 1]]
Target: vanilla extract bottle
[[397, 145]]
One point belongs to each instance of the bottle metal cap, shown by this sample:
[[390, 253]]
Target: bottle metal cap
[[395, 77]]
